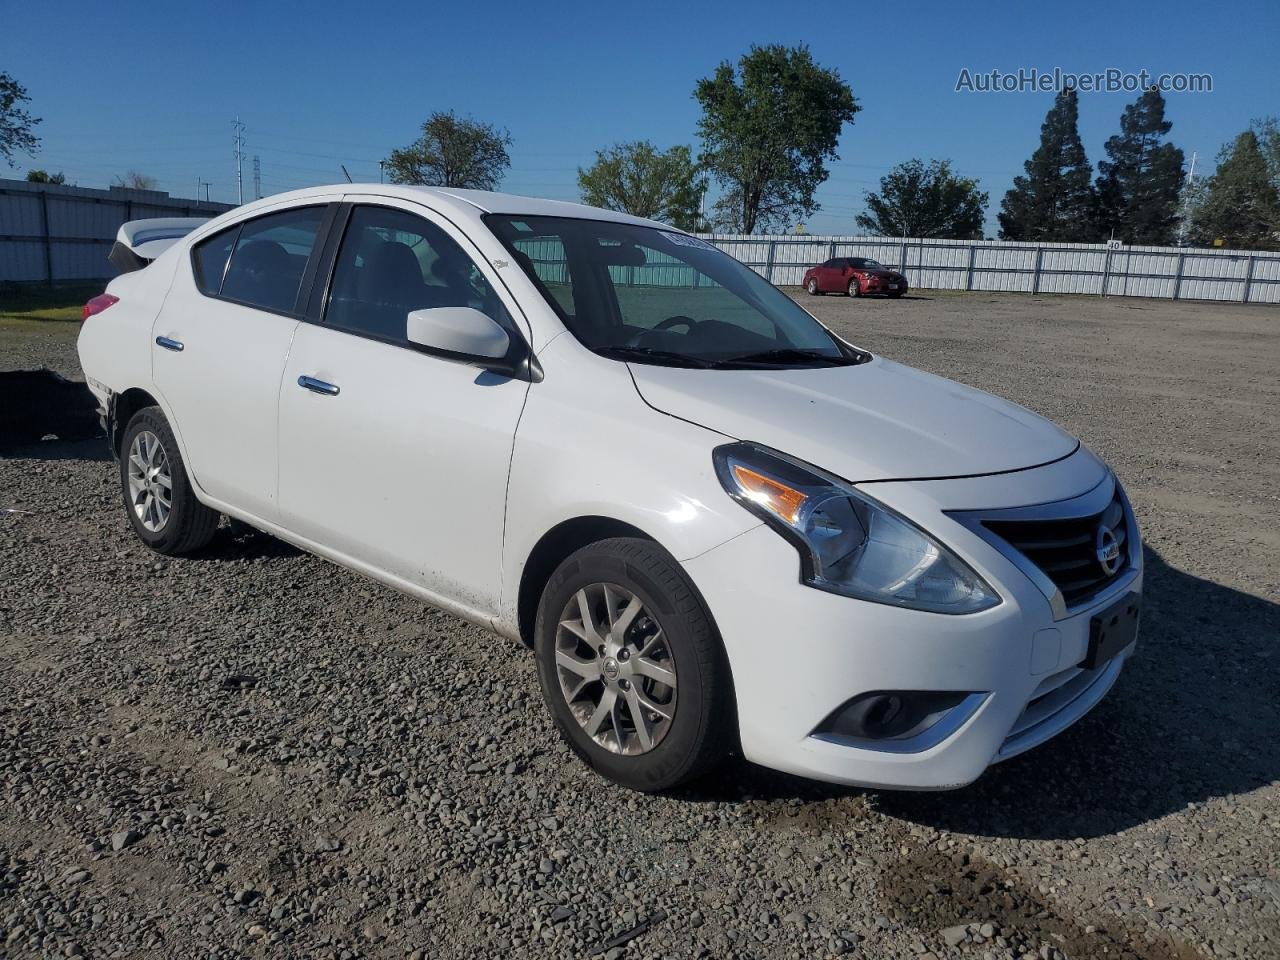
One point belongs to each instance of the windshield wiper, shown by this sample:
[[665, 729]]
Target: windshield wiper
[[789, 355], [668, 358]]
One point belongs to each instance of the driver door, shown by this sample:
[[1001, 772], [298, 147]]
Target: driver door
[[837, 275], [391, 456]]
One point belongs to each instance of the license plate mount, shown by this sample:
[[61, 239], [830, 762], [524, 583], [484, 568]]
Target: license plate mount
[[1113, 630]]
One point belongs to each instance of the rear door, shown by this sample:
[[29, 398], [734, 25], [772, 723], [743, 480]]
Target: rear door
[[220, 344], [390, 455]]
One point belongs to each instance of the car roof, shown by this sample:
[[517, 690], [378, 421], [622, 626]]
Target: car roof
[[468, 204]]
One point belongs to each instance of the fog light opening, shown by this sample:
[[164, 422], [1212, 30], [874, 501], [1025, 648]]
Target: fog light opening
[[884, 719]]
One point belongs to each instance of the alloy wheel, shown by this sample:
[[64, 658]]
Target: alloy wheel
[[616, 670], [150, 483]]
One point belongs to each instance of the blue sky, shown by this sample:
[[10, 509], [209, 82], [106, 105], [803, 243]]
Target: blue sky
[[155, 87]]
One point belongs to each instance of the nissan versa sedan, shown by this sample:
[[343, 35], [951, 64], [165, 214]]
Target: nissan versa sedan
[[719, 526]]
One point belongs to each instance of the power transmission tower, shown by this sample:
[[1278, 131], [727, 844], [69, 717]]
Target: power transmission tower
[[1187, 200], [238, 129], [257, 178]]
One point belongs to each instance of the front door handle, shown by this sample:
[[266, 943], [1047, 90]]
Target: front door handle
[[318, 386], [170, 344]]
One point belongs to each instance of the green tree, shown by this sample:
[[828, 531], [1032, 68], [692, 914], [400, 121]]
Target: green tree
[[768, 127], [16, 124], [1055, 200], [1267, 130], [1240, 206], [639, 179], [453, 151], [1140, 183], [919, 200], [44, 176]]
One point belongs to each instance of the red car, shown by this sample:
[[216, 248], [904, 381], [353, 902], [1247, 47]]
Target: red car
[[854, 276]]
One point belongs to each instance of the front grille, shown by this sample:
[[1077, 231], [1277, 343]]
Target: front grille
[[1066, 549]]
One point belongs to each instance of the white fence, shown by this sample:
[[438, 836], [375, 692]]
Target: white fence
[[55, 233], [1174, 273]]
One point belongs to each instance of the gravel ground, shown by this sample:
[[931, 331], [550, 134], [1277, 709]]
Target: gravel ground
[[252, 752]]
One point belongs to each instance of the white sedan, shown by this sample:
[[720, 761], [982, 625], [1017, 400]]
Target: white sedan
[[719, 526]]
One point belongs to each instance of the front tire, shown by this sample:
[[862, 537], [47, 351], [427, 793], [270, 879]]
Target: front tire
[[631, 667], [812, 287], [854, 289], [158, 499]]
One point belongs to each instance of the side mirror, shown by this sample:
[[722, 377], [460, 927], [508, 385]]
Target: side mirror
[[458, 330]]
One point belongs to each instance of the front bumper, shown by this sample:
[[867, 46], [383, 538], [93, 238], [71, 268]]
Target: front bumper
[[882, 285], [797, 654]]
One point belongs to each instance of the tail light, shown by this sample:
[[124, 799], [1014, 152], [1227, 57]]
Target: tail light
[[98, 304]]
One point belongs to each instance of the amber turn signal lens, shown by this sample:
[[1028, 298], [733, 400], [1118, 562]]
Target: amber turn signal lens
[[777, 497]]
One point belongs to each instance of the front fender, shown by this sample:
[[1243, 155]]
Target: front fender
[[589, 446]]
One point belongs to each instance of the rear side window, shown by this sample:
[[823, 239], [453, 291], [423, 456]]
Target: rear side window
[[210, 261], [270, 257]]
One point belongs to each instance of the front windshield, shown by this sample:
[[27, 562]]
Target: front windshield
[[652, 296]]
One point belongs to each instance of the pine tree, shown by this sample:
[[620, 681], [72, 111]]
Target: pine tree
[[1241, 207], [1055, 201], [1140, 183]]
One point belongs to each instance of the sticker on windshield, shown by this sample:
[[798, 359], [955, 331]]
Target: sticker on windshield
[[684, 240]]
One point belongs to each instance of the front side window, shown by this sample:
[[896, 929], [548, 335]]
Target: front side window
[[656, 296], [392, 262], [270, 257]]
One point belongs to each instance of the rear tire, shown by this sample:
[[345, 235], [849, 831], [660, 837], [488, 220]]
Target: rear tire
[[854, 289], [649, 644], [158, 499], [812, 287]]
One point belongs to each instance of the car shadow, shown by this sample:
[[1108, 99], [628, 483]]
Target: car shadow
[[236, 542], [1194, 716], [58, 449], [35, 404]]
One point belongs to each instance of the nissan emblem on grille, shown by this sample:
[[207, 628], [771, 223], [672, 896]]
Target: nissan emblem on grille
[[1108, 549]]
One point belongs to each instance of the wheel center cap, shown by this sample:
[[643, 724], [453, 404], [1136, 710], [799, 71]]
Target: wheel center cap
[[610, 669]]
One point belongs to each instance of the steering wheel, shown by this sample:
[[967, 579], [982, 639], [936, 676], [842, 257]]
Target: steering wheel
[[680, 320]]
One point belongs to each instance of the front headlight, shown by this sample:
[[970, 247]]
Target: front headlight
[[848, 542]]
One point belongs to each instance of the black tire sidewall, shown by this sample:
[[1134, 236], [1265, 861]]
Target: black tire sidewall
[[673, 759], [854, 288], [184, 504]]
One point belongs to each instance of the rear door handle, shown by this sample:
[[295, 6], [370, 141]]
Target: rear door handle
[[169, 344], [318, 386]]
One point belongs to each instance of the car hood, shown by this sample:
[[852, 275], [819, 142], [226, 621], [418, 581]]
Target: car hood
[[878, 420]]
